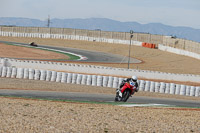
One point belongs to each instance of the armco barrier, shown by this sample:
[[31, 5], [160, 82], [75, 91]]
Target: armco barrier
[[97, 80], [43, 65]]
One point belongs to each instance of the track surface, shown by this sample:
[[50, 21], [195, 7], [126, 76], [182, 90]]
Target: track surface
[[91, 55], [95, 97]]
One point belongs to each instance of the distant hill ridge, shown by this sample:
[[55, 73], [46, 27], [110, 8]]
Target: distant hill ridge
[[107, 25]]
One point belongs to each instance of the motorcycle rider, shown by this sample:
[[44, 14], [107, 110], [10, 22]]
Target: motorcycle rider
[[132, 79]]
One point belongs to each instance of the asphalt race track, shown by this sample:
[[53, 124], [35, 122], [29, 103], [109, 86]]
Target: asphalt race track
[[91, 55], [96, 97]]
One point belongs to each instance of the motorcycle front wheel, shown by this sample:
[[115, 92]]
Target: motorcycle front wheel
[[125, 95]]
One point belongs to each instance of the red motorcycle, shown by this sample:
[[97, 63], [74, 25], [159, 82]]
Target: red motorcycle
[[127, 89]]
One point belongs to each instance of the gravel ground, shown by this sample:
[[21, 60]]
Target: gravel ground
[[19, 115]]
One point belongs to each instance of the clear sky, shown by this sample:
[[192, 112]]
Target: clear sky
[[169, 12]]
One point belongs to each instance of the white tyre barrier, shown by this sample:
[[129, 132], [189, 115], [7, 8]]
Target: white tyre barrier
[[157, 86], [183, 90], [89, 79], [1, 70], [178, 88], [9, 72], [14, 72], [26, 73], [99, 80], [110, 81], [120, 81], [192, 91], [167, 89], [37, 75], [59, 76], [64, 77], [197, 91], [152, 86], [105, 81], [116, 82], [43, 75], [162, 87], [94, 80], [188, 90], [84, 80], [69, 78], [138, 81], [20, 73], [142, 85], [4, 72], [3, 62], [74, 77], [31, 74], [48, 76], [147, 86], [53, 76], [172, 88], [79, 78]]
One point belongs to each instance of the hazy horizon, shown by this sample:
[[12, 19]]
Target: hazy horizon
[[171, 12]]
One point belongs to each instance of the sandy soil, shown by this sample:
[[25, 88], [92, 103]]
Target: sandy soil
[[11, 51], [18, 115]]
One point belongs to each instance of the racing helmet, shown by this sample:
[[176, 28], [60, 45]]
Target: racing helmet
[[134, 78]]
